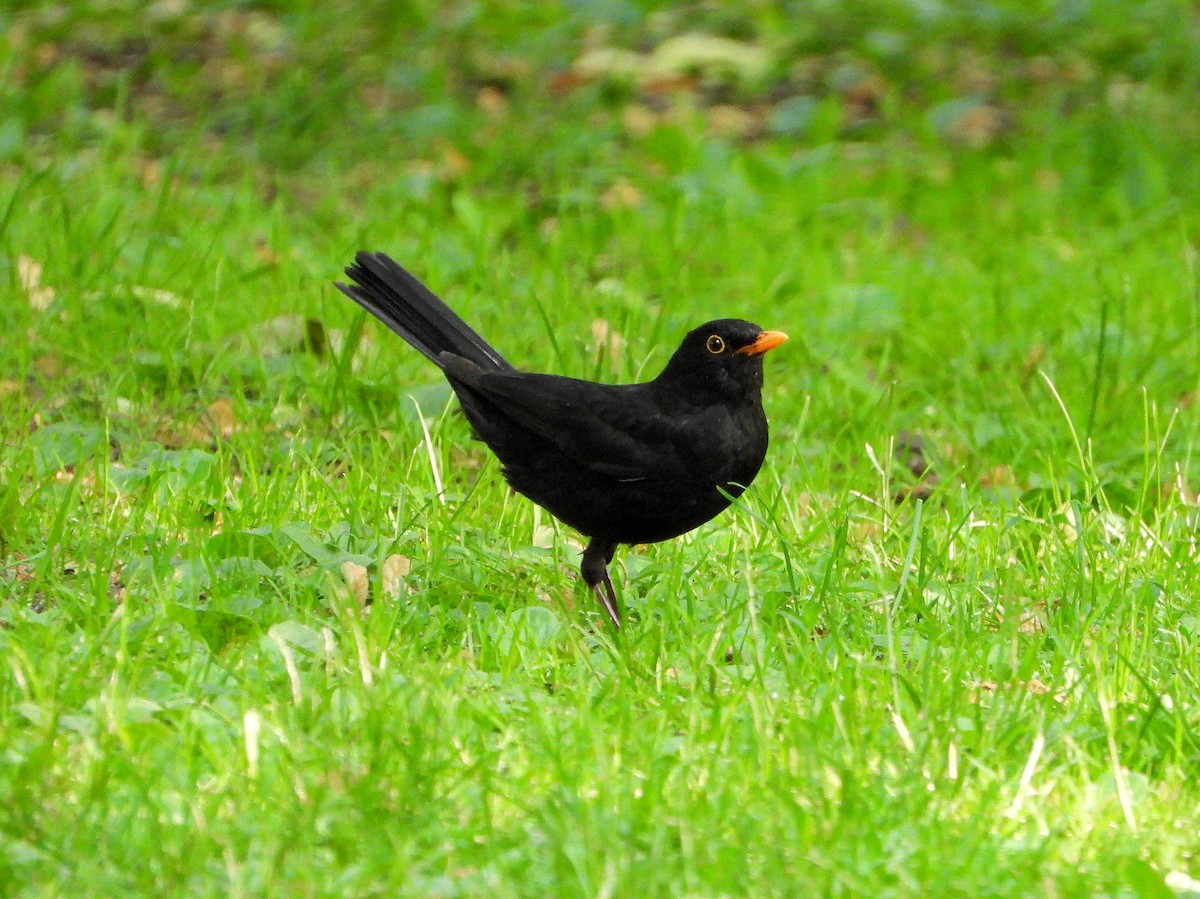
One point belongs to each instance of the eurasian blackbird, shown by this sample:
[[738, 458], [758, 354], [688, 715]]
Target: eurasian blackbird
[[635, 463]]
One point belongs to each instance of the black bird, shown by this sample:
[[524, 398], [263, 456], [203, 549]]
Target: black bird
[[635, 463]]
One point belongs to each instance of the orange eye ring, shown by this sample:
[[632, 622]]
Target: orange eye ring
[[715, 344]]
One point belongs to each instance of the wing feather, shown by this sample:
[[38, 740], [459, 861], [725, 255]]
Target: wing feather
[[614, 430]]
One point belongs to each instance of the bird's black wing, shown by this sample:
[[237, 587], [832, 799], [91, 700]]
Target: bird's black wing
[[612, 430]]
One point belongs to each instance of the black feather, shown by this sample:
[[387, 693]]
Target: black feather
[[412, 310]]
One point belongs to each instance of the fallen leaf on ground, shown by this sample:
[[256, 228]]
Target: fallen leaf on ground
[[638, 119], [395, 568], [621, 194], [605, 338], [29, 273], [452, 164], [710, 56], [731, 121], [357, 581], [220, 416], [998, 476]]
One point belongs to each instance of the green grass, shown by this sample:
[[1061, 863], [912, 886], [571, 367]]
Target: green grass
[[836, 688]]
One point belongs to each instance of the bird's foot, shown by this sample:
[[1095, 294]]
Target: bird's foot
[[608, 600], [595, 574]]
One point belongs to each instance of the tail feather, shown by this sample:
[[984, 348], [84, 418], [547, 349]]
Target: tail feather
[[412, 310]]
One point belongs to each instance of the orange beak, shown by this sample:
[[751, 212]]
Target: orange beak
[[767, 340]]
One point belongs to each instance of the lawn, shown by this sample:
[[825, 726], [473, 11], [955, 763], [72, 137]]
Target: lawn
[[271, 624]]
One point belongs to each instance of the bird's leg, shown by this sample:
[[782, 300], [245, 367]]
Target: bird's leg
[[595, 574]]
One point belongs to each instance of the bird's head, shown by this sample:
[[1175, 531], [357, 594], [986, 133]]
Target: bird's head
[[723, 357]]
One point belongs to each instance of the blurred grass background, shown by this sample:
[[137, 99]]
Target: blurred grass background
[[976, 220]]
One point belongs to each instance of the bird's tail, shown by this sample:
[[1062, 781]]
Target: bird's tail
[[410, 309]]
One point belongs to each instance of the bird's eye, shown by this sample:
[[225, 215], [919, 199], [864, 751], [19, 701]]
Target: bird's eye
[[715, 345]]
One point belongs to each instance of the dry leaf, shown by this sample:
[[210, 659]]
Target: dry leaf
[[998, 476], [638, 119], [174, 435], [151, 171], [986, 686], [673, 65], [395, 567], [491, 100], [730, 121], [565, 82], [266, 254], [48, 366], [978, 126], [605, 338], [606, 63], [357, 581], [470, 459], [621, 194], [710, 56], [29, 273], [452, 164], [1030, 622], [220, 416]]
